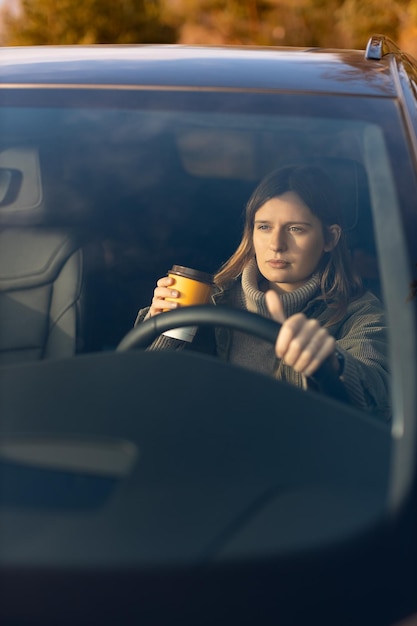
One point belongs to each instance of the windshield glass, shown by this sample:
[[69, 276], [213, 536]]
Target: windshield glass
[[102, 192], [150, 184]]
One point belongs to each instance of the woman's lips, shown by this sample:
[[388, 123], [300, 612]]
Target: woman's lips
[[277, 264]]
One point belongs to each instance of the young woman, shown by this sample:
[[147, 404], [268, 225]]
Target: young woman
[[293, 265]]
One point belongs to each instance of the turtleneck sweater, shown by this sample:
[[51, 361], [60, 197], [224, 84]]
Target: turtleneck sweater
[[254, 285]]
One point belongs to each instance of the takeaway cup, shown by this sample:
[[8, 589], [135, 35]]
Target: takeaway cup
[[194, 287]]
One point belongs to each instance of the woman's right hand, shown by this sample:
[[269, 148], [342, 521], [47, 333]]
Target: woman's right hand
[[161, 292]]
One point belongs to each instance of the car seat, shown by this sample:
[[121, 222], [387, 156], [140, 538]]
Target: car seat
[[350, 178], [41, 273]]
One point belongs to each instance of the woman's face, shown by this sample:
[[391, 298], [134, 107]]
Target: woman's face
[[289, 241]]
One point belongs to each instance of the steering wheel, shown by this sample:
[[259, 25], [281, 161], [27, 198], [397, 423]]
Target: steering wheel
[[144, 334]]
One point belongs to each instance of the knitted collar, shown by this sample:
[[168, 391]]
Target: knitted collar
[[253, 299]]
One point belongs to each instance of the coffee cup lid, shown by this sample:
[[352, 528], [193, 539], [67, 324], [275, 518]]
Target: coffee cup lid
[[188, 272]]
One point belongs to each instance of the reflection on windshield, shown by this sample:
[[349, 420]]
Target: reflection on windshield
[[281, 206], [129, 193]]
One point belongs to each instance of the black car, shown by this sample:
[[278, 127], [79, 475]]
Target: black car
[[170, 487]]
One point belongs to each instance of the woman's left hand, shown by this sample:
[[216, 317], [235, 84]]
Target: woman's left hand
[[302, 343]]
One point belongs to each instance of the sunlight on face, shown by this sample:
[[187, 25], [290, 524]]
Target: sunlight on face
[[288, 241]]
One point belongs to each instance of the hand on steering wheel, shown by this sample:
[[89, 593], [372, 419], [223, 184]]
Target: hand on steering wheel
[[302, 343], [144, 334]]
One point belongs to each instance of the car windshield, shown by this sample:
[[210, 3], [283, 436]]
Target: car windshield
[[145, 181], [118, 185]]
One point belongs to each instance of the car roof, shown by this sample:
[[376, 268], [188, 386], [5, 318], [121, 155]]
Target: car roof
[[199, 67]]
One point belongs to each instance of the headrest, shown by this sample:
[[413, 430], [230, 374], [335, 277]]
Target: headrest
[[350, 181], [351, 184], [20, 185]]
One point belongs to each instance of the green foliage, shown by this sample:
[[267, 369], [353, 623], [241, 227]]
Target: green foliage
[[86, 22]]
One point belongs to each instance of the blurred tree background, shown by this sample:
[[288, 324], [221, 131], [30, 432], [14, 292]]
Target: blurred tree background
[[34, 22], [328, 23]]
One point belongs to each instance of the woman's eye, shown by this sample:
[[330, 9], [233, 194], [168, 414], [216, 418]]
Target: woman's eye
[[263, 227], [295, 229]]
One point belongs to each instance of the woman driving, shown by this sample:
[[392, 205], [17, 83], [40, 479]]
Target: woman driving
[[293, 265]]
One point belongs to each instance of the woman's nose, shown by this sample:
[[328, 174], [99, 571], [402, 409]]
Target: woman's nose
[[278, 241]]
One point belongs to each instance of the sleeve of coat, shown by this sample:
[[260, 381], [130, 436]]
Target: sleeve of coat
[[162, 342], [362, 339]]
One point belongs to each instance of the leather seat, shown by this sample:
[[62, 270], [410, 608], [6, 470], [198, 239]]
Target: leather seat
[[40, 295], [41, 273]]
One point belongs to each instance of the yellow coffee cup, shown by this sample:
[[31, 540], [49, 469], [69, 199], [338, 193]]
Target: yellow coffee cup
[[194, 287]]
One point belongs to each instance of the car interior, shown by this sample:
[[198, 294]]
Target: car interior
[[95, 235]]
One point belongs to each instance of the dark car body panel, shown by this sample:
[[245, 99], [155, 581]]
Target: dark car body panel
[[200, 68]]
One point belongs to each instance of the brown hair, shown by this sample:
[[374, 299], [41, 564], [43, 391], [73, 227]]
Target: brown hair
[[338, 281]]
